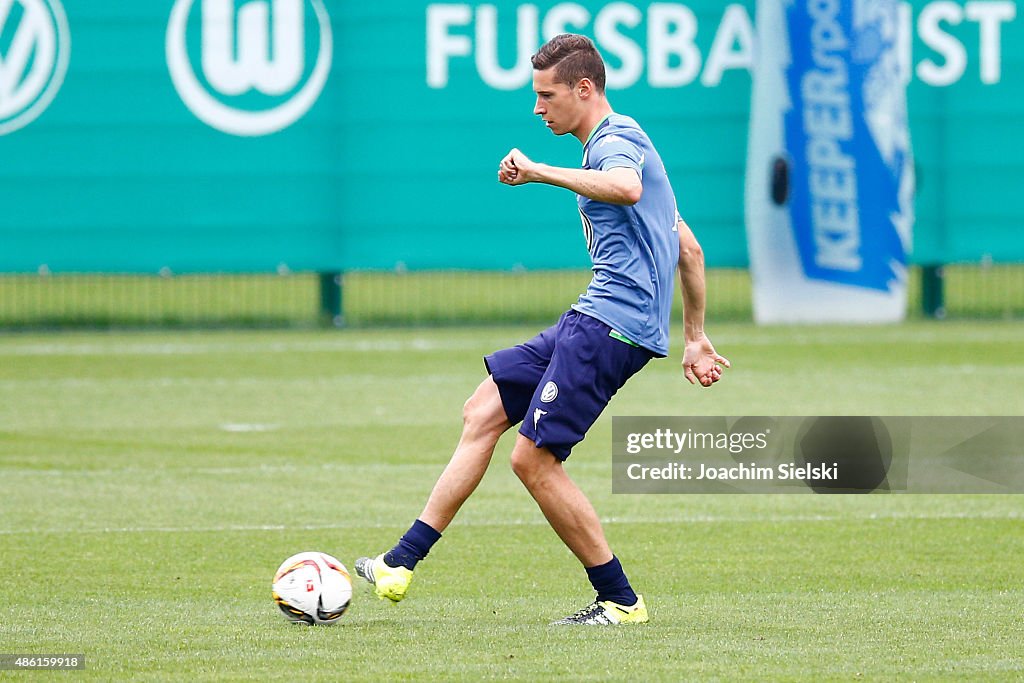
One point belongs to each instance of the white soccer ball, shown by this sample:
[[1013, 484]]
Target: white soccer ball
[[312, 588]]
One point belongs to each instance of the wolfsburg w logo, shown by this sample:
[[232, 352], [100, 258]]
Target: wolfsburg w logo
[[261, 67], [35, 45]]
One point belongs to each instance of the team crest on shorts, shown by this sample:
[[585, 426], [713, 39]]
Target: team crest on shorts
[[550, 393]]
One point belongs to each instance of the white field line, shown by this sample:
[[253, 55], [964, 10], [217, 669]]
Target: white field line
[[347, 468], [869, 336], [683, 519], [247, 427], [196, 382], [438, 379], [196, 348], [365, 344]]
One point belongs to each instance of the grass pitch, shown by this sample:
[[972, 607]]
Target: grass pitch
[[150, 484]]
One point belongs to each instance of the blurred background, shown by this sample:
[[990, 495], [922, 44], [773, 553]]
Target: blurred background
[[326, 162]]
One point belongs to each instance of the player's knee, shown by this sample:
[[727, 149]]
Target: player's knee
[[529, 464], [480, 418], [524, 464]]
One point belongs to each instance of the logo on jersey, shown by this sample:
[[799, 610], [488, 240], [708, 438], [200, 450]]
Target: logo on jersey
[[550, 393], [537, 415], [610, 138], [35, 47], [588, 231], [260, 67]]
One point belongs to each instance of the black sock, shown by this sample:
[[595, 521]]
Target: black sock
[[611, 583], [413, 546]]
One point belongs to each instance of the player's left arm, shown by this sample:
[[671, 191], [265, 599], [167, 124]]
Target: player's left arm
[[618, 185], [701, 363]]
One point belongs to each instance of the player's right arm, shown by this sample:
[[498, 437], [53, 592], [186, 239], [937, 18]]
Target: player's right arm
[[618, 185], [701, 363]]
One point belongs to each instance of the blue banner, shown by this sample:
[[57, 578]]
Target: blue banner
[[847, 143], [830, 182]]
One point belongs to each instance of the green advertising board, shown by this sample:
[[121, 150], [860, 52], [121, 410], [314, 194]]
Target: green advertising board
[[261, 135]]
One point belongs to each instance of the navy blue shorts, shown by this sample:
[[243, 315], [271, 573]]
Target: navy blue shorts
[[558, 383]]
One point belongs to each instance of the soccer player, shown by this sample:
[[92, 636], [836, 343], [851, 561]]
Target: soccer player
[[557, 383]]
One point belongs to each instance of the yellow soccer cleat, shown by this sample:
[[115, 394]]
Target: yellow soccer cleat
[[388, 582], [607, 613]]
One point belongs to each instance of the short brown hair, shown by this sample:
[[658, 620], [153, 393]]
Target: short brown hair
[[574, 58]]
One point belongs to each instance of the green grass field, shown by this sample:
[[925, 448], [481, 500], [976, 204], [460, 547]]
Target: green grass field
[[150, 484]]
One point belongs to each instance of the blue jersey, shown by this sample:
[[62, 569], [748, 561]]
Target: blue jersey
[[634, 249]]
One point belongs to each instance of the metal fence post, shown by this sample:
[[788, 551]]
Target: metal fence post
[[933, 297], [331, 299]]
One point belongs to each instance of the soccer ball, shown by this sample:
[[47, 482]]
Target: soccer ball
[[312, 588]]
